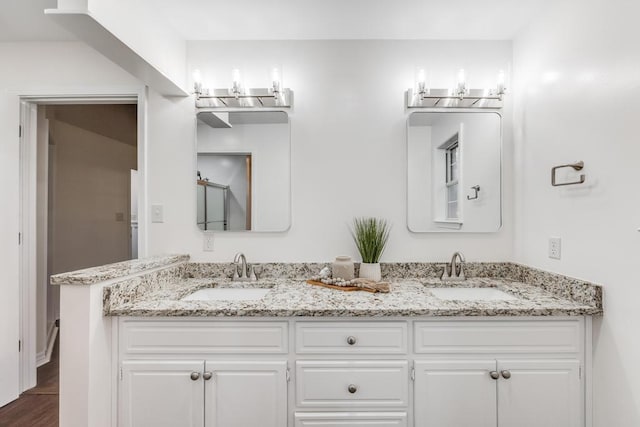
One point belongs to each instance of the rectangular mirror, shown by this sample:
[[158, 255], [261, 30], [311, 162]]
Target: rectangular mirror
[[243, 176], [454, 172]]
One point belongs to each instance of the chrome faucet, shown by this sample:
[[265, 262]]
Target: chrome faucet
[[246, 271], [453, 271]]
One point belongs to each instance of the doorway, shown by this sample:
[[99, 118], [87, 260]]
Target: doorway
[[80, 198]]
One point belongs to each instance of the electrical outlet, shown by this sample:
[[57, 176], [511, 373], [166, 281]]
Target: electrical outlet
[[554, 247], [157, 213], [208, 242]]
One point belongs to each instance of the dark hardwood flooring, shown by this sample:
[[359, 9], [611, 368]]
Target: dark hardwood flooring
[[37, 407]]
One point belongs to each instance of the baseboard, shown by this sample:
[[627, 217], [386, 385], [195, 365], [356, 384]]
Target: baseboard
[[45, 357]]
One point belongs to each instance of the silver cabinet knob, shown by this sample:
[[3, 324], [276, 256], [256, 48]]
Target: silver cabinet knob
[[195, 376], [207, 376], [494, 375], [506, 374], [352, 388], [351, 340]]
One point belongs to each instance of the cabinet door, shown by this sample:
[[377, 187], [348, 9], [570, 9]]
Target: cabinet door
[[161, 393], [246, 394], [458, 393], [539, 393]]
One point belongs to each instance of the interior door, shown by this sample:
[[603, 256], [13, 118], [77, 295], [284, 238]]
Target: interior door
[[455, 393], [535, 393], [246, 394], [161, 393]]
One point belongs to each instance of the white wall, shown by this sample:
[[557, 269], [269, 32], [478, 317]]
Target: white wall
[[91, 178], [30, 68], [348, 131], [577, 70]]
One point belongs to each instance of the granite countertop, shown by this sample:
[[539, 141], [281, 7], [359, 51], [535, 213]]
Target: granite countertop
[[294, 297], [90, 276]]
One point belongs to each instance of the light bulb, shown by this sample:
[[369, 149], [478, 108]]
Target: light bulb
[[461, 89], [500, 87], [422, 81], [236, 85], [197, 76], [275, 80], [197, 82]]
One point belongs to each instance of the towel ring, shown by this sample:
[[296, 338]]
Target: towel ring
[[576, 166]]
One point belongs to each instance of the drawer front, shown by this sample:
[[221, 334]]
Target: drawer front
[[351, 337], [477, 336], [196, 337], [352, 383], [351, 419]]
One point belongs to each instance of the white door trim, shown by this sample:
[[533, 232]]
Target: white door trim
[[28, 142]]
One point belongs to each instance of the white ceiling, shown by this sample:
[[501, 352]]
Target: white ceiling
[[348, 19], [24, 20]]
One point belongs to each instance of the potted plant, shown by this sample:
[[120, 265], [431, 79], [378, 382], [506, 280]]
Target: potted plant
[[371, 236]]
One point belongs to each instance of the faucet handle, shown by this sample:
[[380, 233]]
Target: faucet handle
[[445, 273], [252, 273]]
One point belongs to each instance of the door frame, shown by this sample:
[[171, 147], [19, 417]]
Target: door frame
[[28, 103]]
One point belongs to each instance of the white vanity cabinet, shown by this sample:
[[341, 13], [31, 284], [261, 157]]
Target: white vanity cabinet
[[208, 393], [332, 372], [490, 393], [499, 373], [197, 373]]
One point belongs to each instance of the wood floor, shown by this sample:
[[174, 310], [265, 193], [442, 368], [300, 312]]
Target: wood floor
[[37, 407]]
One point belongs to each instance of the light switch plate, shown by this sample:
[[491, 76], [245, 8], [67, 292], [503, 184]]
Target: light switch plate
[[157, 213], [208, 242], [554, 247]]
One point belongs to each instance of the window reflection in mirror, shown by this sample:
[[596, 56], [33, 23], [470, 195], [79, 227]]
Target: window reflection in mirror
[[243, 171], [454, 171]]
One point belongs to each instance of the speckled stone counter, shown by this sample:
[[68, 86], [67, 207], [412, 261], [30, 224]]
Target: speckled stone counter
[[155, 287], [89, 276], [293, 298]]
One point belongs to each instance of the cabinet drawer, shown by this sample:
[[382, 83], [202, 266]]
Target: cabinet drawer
[[477, 336], [352, 383], [351, 419], [351, 337], [196, 337]]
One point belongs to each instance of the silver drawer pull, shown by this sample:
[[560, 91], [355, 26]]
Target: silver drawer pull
[[195, 376], [494, 375], [352, 388], [506, 374], [351, 340], [207, 375]]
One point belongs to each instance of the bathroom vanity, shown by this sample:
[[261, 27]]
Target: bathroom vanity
[[510, 346]]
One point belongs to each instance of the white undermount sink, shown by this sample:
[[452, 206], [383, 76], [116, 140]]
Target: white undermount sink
[[227, 294], [471, 294]]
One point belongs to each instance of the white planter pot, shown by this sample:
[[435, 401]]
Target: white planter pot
[[370, 271]]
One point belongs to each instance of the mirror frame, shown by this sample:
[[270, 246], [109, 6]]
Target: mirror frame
[[456, 111], [195, 168]]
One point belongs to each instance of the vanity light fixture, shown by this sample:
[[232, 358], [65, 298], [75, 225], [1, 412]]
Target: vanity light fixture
[[461, 96], [237, 96], [197, 82]]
